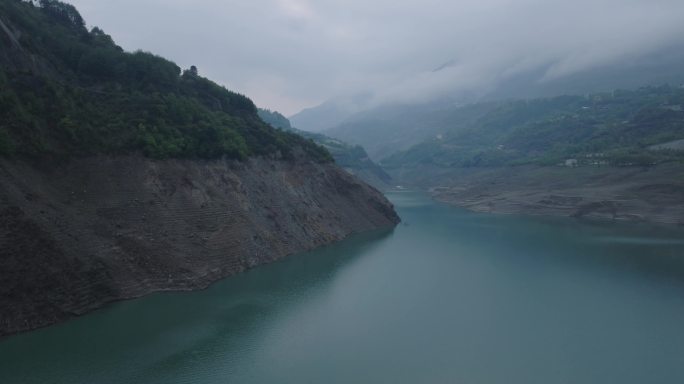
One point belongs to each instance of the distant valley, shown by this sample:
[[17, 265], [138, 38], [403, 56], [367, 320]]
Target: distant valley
[[567, 152]]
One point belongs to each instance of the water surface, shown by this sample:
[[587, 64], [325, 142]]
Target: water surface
[[447, 297]]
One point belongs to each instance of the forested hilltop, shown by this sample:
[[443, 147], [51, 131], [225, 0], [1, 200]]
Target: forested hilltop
[[68, 91]]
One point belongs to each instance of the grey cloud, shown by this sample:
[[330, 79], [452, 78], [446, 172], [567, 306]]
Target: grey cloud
[[289, 54]]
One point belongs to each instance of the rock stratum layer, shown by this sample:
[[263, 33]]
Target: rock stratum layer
[[77, 235]]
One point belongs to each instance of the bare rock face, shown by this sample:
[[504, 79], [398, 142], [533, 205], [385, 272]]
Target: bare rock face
[[77, 235]]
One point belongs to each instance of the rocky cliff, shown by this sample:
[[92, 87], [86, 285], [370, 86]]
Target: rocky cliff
[[79, 234]]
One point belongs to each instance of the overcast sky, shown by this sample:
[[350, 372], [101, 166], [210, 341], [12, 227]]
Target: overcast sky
[[291, 54]]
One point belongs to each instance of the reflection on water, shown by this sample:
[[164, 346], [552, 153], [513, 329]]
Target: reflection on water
[[449, 296]]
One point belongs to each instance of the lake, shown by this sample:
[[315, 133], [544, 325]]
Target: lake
[[449, 296]]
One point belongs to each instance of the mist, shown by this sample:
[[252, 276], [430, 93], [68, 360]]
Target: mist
[[291, 54]]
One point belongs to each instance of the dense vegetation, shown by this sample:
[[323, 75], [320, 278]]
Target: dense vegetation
[[68, 91], [616, 128]]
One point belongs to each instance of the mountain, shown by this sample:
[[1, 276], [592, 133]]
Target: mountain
[[65, 91], [353, 158], [122, 175], [329, 113], [614, 155], [405, 124], [386, 130], [621, 126]]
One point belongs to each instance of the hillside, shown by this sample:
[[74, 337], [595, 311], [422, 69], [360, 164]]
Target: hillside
[[330, 113], [611, 155], [616, 128], [517, 131], [349, 118], [386, 130], [121, 176], [66, 91], [352, 158]]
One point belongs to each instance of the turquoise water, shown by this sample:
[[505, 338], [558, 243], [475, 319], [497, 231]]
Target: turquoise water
[[447, 297]]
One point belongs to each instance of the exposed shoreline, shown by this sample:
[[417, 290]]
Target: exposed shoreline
[[654, 194]]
